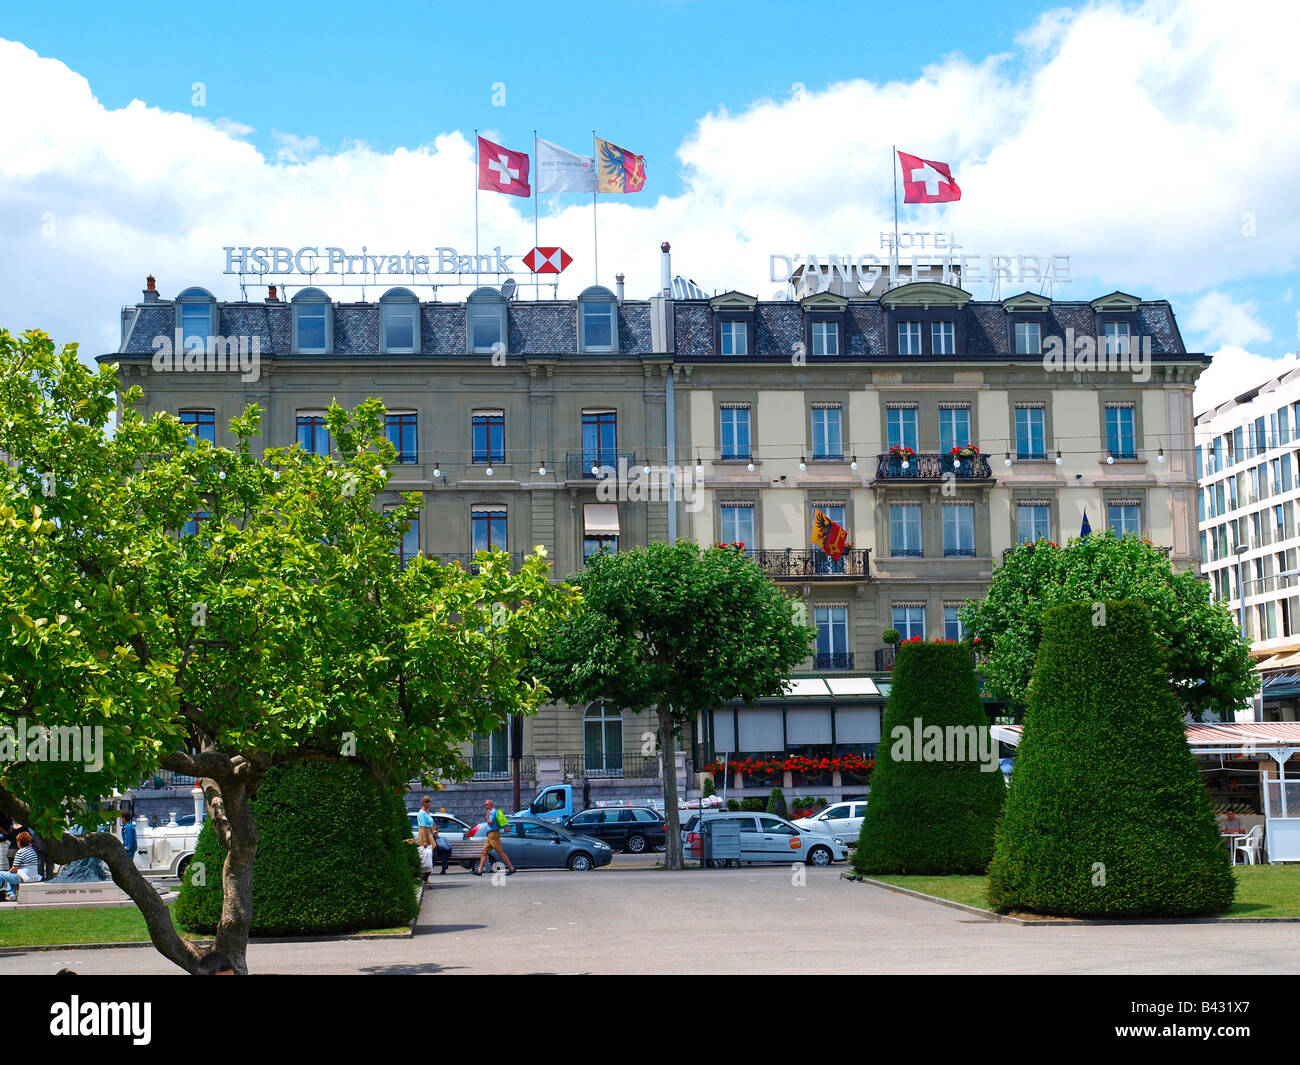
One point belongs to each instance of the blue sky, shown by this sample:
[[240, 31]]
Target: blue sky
[[1154, 143]]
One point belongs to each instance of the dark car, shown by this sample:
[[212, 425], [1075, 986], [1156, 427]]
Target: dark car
[[633, 829]]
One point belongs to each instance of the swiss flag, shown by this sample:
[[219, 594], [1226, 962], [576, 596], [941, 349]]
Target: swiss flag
[[925, 181], [501, 170], [547, 260]]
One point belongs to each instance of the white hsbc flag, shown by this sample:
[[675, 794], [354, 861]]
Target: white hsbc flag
[[562, 171]]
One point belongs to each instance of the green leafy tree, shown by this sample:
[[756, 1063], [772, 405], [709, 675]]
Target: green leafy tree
[[936, 792], [1210, 668], [1106, 815], [677, 630], [280, 626]]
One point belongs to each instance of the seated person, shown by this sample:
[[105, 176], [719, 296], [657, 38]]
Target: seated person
[[25, 869]]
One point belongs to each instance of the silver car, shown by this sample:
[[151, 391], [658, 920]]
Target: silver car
[[769, 838]]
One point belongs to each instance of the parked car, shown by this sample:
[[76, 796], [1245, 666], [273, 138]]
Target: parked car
[[769, 838], [449, 828], [843, 820], [531, 843], [633, 829]]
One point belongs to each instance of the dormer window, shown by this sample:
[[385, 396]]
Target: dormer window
[[909, 338], [485, 310], [943, 338], [399, 325], [597, 320], [734, 338], [1116, 336], [313, 326], [1029, 338], [825, 338], [196, 317]]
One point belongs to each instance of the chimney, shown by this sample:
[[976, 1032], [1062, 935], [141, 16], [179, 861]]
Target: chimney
[[150, 291], [666, 271], [271, 297], [618, 286]]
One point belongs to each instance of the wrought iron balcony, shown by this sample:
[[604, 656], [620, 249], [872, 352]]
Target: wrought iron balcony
[[885, 658], [833, 660], [579, 464], [813, 564], [933, 466], [612, 764]]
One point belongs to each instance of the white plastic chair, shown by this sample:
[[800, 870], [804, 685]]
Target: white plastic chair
[[1249, 846]]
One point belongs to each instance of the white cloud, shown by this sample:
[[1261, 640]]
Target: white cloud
[[1134, 139], [1234, 371], [1223, 321]]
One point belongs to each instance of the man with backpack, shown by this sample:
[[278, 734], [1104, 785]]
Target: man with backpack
[[496, 821]]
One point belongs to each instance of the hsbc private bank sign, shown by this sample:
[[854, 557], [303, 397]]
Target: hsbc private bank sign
[[310, 260]]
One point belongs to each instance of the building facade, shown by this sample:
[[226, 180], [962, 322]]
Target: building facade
[[938, 430]]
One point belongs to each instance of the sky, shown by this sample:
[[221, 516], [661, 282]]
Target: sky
[[1156, 144]]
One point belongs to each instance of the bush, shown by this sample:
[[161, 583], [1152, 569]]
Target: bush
[[733, 805], [891, 636], [776, 802], [935, 814], [332, 856], [1107, 815], [708, 788], [753, 804]]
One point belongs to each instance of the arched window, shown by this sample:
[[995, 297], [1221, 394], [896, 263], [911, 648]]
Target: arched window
[[597, 320], [313, 323], [196, 318], [485, 313], [602, 740], [399, 322]]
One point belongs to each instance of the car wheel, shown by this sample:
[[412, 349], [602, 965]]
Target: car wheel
[[636, 844], [180, 869], [580, 862], [820, 856]]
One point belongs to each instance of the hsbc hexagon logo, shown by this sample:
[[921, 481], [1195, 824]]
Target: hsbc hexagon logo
[[547, 260]]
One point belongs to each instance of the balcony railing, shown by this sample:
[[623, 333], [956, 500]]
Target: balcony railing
[[579, 464], [833, 660], [813, 564], [611, 765], [933, 466], [497, 767]]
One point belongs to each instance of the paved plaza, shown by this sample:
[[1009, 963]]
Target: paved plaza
[[748, 920]]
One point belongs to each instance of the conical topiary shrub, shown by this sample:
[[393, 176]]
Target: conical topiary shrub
[[333, 855], [936, 792], [1107, 815], [776, 802]]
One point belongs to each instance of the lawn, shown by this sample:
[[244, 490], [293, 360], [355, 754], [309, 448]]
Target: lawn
[[1262, 890]]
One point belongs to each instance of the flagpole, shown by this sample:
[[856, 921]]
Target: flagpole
[[595, 231], [893, 160], [537, 176], [477, 164]]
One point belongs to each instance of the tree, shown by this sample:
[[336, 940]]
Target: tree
[[1210, 668], [216, 613], [678, 630], [936, 792], [1106, 815]]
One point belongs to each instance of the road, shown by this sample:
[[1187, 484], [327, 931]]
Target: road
[[748, 920]]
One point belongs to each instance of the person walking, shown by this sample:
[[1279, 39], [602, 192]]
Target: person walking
[[426, 836], [496, 821]]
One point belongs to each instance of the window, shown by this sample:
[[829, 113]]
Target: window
[[734, 338], [1286, 472], [1029, 338], [1031, 432], [825, 338], [488, 530], [1283, 425], [736, 524], [1121, 436], [909, 620], [1123, 516], [485, 312], [409, 546], [592, 545], [312, 325], [1033, 522], [735, 432], [822, 562], [196, 318], [599, 438], [958, 530], [901, 426], [773, 827], [943, 338], [909, 338], [1116, 338], [952, 626], [313, 437], [954, 428], [399, 321], [202, 423], [491, 752], [399, 426], [597, 320], [191, 527], [489, 437], [1261, 443], [602, 739], [905, 530], [832, 637], [827, 442]]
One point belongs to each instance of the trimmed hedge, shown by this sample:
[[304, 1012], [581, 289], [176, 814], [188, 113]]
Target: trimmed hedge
[[1107, 815], [935, 814], [332, 856]]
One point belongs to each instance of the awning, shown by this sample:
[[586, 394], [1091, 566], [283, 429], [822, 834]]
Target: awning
[[1227, 737], [600, 519], [829, 687]]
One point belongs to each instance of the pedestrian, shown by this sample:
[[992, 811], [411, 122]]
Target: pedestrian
[[25, 869], [128, 835], [586, 793], [425, 831], [214, 963], [496, 821]]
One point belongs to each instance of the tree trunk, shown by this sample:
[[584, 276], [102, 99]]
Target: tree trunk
[[668, 751], [239, 832]]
